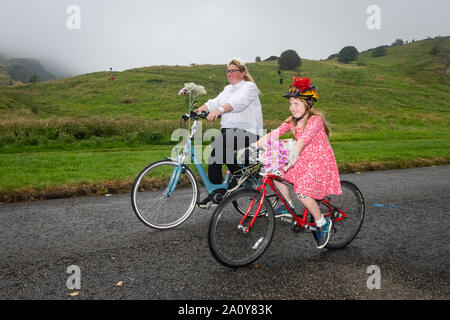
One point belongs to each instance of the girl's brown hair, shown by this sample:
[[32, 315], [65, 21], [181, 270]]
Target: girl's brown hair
[[304, 119]]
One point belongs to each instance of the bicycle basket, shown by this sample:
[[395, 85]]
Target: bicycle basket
[[245, 177]]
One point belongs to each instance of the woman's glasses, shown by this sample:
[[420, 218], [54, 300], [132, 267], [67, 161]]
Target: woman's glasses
[[233, 70]]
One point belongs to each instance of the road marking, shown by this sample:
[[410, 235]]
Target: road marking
[[387, 206]]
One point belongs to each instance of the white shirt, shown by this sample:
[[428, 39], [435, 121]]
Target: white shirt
[[244, 99]]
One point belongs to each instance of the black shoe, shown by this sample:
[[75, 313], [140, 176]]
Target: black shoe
[[205, 203]]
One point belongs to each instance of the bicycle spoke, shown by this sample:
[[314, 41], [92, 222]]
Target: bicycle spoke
[[347, 213], [159, 210], [232, 243]]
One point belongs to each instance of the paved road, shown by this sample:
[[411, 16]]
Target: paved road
[[405, 234]]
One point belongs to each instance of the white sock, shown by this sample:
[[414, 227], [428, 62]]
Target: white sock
[[321, 221]]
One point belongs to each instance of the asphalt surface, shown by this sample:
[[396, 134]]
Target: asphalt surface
[[405, 234]]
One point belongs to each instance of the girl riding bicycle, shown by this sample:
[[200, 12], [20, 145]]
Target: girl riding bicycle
[[314, 173]]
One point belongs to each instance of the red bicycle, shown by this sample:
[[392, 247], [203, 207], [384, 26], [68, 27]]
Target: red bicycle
[[237, 238]]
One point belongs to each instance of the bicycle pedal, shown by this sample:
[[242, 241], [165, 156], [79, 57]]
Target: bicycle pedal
[[310, 228], [288, 220], [205, 206], [284, 218]]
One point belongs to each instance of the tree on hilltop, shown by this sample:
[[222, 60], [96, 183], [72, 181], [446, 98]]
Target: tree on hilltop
[[289, 60], [348, 54], [398, 42]]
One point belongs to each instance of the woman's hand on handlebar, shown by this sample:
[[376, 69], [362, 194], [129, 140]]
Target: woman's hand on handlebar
[[213, 115], [202, 108]]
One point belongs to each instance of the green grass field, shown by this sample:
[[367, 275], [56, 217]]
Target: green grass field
[[91, 133]]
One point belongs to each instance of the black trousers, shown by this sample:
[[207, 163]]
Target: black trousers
[[222, 153]]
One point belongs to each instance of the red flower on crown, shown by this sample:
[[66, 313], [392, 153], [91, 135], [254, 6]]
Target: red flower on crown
[[301, 84]]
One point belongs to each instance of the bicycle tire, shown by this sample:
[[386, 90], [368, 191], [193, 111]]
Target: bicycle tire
[[229, 244], [156, 208], [351, 201]]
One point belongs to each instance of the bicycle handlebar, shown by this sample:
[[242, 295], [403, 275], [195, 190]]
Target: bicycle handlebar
[[194, 115]]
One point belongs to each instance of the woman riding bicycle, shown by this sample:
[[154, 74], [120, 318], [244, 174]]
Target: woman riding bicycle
[[240, 108], [314, 173]]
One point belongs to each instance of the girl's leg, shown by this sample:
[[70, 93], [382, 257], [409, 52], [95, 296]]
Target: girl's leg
[[323, 225], [312, 207], [284, 189]]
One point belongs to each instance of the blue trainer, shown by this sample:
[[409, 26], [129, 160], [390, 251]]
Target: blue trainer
[[322, 234], [282, 211]]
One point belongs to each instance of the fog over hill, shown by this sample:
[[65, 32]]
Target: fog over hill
[[72, 37], [16, 70]]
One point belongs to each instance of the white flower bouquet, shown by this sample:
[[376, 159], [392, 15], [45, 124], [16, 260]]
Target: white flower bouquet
[[191, 91]]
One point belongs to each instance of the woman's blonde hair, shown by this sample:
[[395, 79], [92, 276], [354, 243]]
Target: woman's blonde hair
[[304, 119], [242, 68]]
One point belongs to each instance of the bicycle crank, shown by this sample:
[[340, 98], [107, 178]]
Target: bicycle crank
[[217, 195], [295, 227]]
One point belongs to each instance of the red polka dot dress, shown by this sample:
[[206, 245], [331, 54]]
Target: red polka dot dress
[[315, 173]]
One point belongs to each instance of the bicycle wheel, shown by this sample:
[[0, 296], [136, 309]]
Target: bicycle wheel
[[347, 212], [229, 242], [164, 194]]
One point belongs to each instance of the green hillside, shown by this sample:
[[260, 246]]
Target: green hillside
[[372, 93], [390, 111]]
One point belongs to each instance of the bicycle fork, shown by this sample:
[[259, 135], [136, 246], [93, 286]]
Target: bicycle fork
[[252, 203], [173, 181]]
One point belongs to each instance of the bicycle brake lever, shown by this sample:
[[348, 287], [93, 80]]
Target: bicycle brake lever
[[203, 114]]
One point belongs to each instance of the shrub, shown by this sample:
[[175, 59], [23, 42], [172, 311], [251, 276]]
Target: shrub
[[348, 54], [289, 60], [434, 51], [398, 42], [33, 79], [332, 56], [271, 58], [149, 137], [34, 109], [379, 51]]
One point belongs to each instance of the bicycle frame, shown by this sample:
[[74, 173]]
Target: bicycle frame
[[301, 220], [188, 150]]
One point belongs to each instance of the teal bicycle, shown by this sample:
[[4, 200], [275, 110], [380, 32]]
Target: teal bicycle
[[166, 192]]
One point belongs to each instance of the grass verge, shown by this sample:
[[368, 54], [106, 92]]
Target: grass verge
[[49, 175]]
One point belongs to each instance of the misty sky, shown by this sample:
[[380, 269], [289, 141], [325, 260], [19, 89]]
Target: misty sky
[[128, 34]]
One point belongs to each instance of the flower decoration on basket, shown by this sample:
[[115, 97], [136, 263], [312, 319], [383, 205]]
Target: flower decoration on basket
[[191, 91], [279, 155]]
